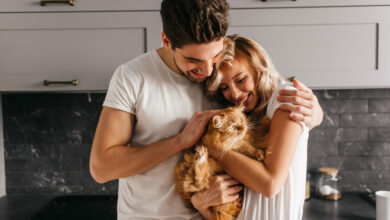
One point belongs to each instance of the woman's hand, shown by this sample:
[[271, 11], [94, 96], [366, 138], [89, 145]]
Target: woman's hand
[[223, 189], [305, 108]]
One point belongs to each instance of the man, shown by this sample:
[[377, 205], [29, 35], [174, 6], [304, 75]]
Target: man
[[155, 108]]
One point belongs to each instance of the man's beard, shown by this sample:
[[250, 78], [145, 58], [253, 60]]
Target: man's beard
[[195, 80]]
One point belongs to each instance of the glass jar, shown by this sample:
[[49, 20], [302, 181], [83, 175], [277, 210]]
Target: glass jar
[[328, 184], [307, 190]]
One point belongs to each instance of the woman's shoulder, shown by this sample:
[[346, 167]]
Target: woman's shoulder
[[273, 103]]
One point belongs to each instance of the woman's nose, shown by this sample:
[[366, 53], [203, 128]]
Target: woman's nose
[[235, 94]]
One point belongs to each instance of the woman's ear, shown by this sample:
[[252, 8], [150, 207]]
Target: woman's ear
[[217, 121]]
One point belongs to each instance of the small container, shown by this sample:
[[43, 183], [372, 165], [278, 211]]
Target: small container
[[328, 184], [307, 190], [307, 193]]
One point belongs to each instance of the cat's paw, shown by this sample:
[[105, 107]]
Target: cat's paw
[[201, 154], [260, 155]]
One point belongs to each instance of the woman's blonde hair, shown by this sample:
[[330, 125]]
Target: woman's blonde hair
[[246, 50]]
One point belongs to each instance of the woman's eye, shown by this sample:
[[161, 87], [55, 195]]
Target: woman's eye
[[223, 88], [241, 80]]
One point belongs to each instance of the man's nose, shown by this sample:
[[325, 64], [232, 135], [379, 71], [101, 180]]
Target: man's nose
[[209, 68]]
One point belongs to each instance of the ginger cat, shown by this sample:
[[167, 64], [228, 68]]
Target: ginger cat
[[226, 131]]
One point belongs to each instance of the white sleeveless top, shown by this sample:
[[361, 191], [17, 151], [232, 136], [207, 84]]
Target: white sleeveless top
[[288, 203]]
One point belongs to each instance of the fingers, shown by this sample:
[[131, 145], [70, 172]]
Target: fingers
[[292, 92], [300, 118], [225, 192], [297, 84], [297, 100], [298, 113], [195, 128], [205, 116], [296, 109]]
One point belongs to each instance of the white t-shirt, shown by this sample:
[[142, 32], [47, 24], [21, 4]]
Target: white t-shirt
[[288, 203], [162, 102]]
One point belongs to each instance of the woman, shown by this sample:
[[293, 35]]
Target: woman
[[275, 188]]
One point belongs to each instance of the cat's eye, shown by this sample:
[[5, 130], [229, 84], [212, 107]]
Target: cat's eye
[[233, 126]]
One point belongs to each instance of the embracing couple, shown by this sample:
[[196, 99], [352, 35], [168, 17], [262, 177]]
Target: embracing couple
[[156, 107]]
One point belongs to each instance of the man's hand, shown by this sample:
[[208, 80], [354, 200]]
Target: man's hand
[[195, 128], [305, 108], [223, 189]]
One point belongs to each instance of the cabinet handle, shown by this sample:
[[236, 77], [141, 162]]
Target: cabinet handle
[[70, 2], [74, 82]]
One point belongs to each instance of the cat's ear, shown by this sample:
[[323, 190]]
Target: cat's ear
[[217, 121]]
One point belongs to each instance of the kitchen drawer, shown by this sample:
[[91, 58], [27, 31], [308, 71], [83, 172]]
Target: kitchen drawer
[[303, 3], [71, 46], [337, 47], [79, 5]]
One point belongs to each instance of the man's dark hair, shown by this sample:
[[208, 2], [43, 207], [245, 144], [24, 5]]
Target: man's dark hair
[[194, 21]]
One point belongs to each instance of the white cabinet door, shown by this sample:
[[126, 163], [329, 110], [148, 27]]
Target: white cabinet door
[[346, 47], [71, 46], [78, 5]]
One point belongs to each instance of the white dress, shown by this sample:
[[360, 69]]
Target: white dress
[[288, 203]]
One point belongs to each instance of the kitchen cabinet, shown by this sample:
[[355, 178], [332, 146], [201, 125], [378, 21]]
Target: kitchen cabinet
[[79, 5], [87, 47], [326, 47], [318, 41], [133, 5], [303, 3]]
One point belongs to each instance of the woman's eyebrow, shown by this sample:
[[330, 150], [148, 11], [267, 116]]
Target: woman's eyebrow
[[237, 74]]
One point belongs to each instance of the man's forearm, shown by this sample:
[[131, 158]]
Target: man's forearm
[[123, 161]]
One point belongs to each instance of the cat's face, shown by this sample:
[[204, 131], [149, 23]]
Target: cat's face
[[229, 126]]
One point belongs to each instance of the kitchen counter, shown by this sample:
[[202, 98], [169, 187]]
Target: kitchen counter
[[350, 206]]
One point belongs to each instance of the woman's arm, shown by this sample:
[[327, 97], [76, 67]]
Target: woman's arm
[[269, 176], [305, 106]]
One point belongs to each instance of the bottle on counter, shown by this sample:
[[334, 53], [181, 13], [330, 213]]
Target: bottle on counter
[[328, 184]]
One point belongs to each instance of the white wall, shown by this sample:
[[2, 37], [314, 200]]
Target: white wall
[[2, 162]]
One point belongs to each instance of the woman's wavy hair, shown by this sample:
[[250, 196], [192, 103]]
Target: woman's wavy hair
[[243, 49]]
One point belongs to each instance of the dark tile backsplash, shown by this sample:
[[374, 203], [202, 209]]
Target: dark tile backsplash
[[48, 136]]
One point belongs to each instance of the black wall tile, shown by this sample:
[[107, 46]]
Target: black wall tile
[[48, 137], [375, 120], [379, 105], [353, 148]]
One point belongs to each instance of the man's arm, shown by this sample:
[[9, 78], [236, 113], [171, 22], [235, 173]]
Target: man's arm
[[305, 103], [111, 158]]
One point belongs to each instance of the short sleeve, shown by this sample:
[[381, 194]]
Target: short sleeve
[[123, 90], [274, 104]]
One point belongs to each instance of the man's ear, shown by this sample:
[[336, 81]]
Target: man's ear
[[165, 41]]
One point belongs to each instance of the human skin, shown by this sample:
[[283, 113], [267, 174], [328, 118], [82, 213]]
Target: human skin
[[238, 85], [111, 158]]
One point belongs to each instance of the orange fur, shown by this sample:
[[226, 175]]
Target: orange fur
[[226, 131]]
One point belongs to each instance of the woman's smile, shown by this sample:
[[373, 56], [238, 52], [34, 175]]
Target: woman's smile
[[238, 85]]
